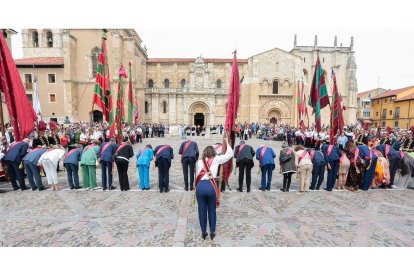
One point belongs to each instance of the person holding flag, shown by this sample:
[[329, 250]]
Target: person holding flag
[[206, 190]]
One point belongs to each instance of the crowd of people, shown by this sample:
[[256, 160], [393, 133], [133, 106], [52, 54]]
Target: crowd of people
[[358, 159]]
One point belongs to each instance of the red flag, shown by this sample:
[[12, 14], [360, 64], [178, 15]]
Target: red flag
[[22, 114], [337, 118], [130, 104], [135, 110], [231, 114]]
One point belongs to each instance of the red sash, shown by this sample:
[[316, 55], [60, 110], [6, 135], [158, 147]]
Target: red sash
[[160, 150], [330, 147], [120, 147], [387, 151], [402, 154], [70, 153], [87, 148], [142, 151], [312, 154], [12, 145], [302, 155], [204, 170], [104, 148], [356, 155], [240, 149], [342, 157], [289, 151], [185, 149], [261, 154]]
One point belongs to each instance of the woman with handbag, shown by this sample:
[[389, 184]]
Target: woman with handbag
[[287, 166], [89, 161], [206, 189]]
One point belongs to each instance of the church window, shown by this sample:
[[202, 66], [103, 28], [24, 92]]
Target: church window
[[304, 59], [94, 60], [218, 84], [35, 39], [183, 83], [52, 98], [305, 74], [164, 107], [166, 83], [49, 39], [275, 87], [146, 107], [150, 84]]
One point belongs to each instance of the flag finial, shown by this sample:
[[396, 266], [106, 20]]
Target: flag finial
[[295, 41]]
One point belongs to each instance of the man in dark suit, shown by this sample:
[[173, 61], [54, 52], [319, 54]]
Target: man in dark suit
[[105, 153], [244, 160], [318, 170], [189, 155], [13, 158], [332, 155], [32, 169], [163, 155]]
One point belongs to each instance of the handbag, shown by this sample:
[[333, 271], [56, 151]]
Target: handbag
[[285, 158]]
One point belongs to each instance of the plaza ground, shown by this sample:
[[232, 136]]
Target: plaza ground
[[148, 218]]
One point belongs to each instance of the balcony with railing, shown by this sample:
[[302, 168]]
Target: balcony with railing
[[195, 90]]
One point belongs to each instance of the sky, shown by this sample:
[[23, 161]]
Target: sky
[[383, 32]]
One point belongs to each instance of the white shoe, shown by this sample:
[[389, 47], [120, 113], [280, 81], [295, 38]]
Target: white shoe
[[96, 188], [87, 189]]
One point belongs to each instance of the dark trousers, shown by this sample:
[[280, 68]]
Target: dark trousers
[[163, 174], [267, 170], [189, 162], [122, 166], [393, 169], [318, 174], [287, 179], [33, 175], [332, 173], [15, 174], [139, 138], [106, 174], [73, 175], [248, 165], [206, 199], [369, 175]]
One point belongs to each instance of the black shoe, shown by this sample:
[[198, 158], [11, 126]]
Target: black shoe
[[24, 188], [147, 189], [248, 190], [15, 188], [388, 187], [78, 187], [268, 189], [186, 188], [161, 191], [204, 235], [212, 235], [283, 190], [34, 189], [166, 190], [328, 190], [239, 190], [72, 187], [191, 188], [104, 189], [261, 189], [112, 188], [44, 188]]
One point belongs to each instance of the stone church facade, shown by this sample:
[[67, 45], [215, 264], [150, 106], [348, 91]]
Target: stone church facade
[[180, 90]]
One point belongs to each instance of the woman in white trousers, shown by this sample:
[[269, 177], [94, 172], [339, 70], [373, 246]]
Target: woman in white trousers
[[49, 160]]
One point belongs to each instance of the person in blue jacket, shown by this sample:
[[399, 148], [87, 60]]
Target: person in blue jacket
[[393, 158], [32, 169], [13, 158], [332, 154], [267, 165], [370, 158], [144, 158], [71, 163], [105, 153], [318, 170]]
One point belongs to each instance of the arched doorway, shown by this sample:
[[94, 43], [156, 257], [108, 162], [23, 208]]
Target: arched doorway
[[97, 116], [198, 114], [199, 119], [274, 116]]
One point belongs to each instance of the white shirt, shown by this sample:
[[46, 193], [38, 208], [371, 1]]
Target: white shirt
[[83, 137], [218, 160], [53, 155]]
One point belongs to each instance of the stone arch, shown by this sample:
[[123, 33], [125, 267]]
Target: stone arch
[[274, 116], [277, 106], [47, 36], [264, 86], [198, 109]]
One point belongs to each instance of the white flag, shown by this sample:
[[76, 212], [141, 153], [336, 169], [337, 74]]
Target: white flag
[[36, 100]]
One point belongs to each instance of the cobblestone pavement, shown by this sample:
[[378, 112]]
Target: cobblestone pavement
[[148, 218]]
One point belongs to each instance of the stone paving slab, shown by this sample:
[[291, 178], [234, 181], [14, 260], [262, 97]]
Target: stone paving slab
[[148, 218]]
